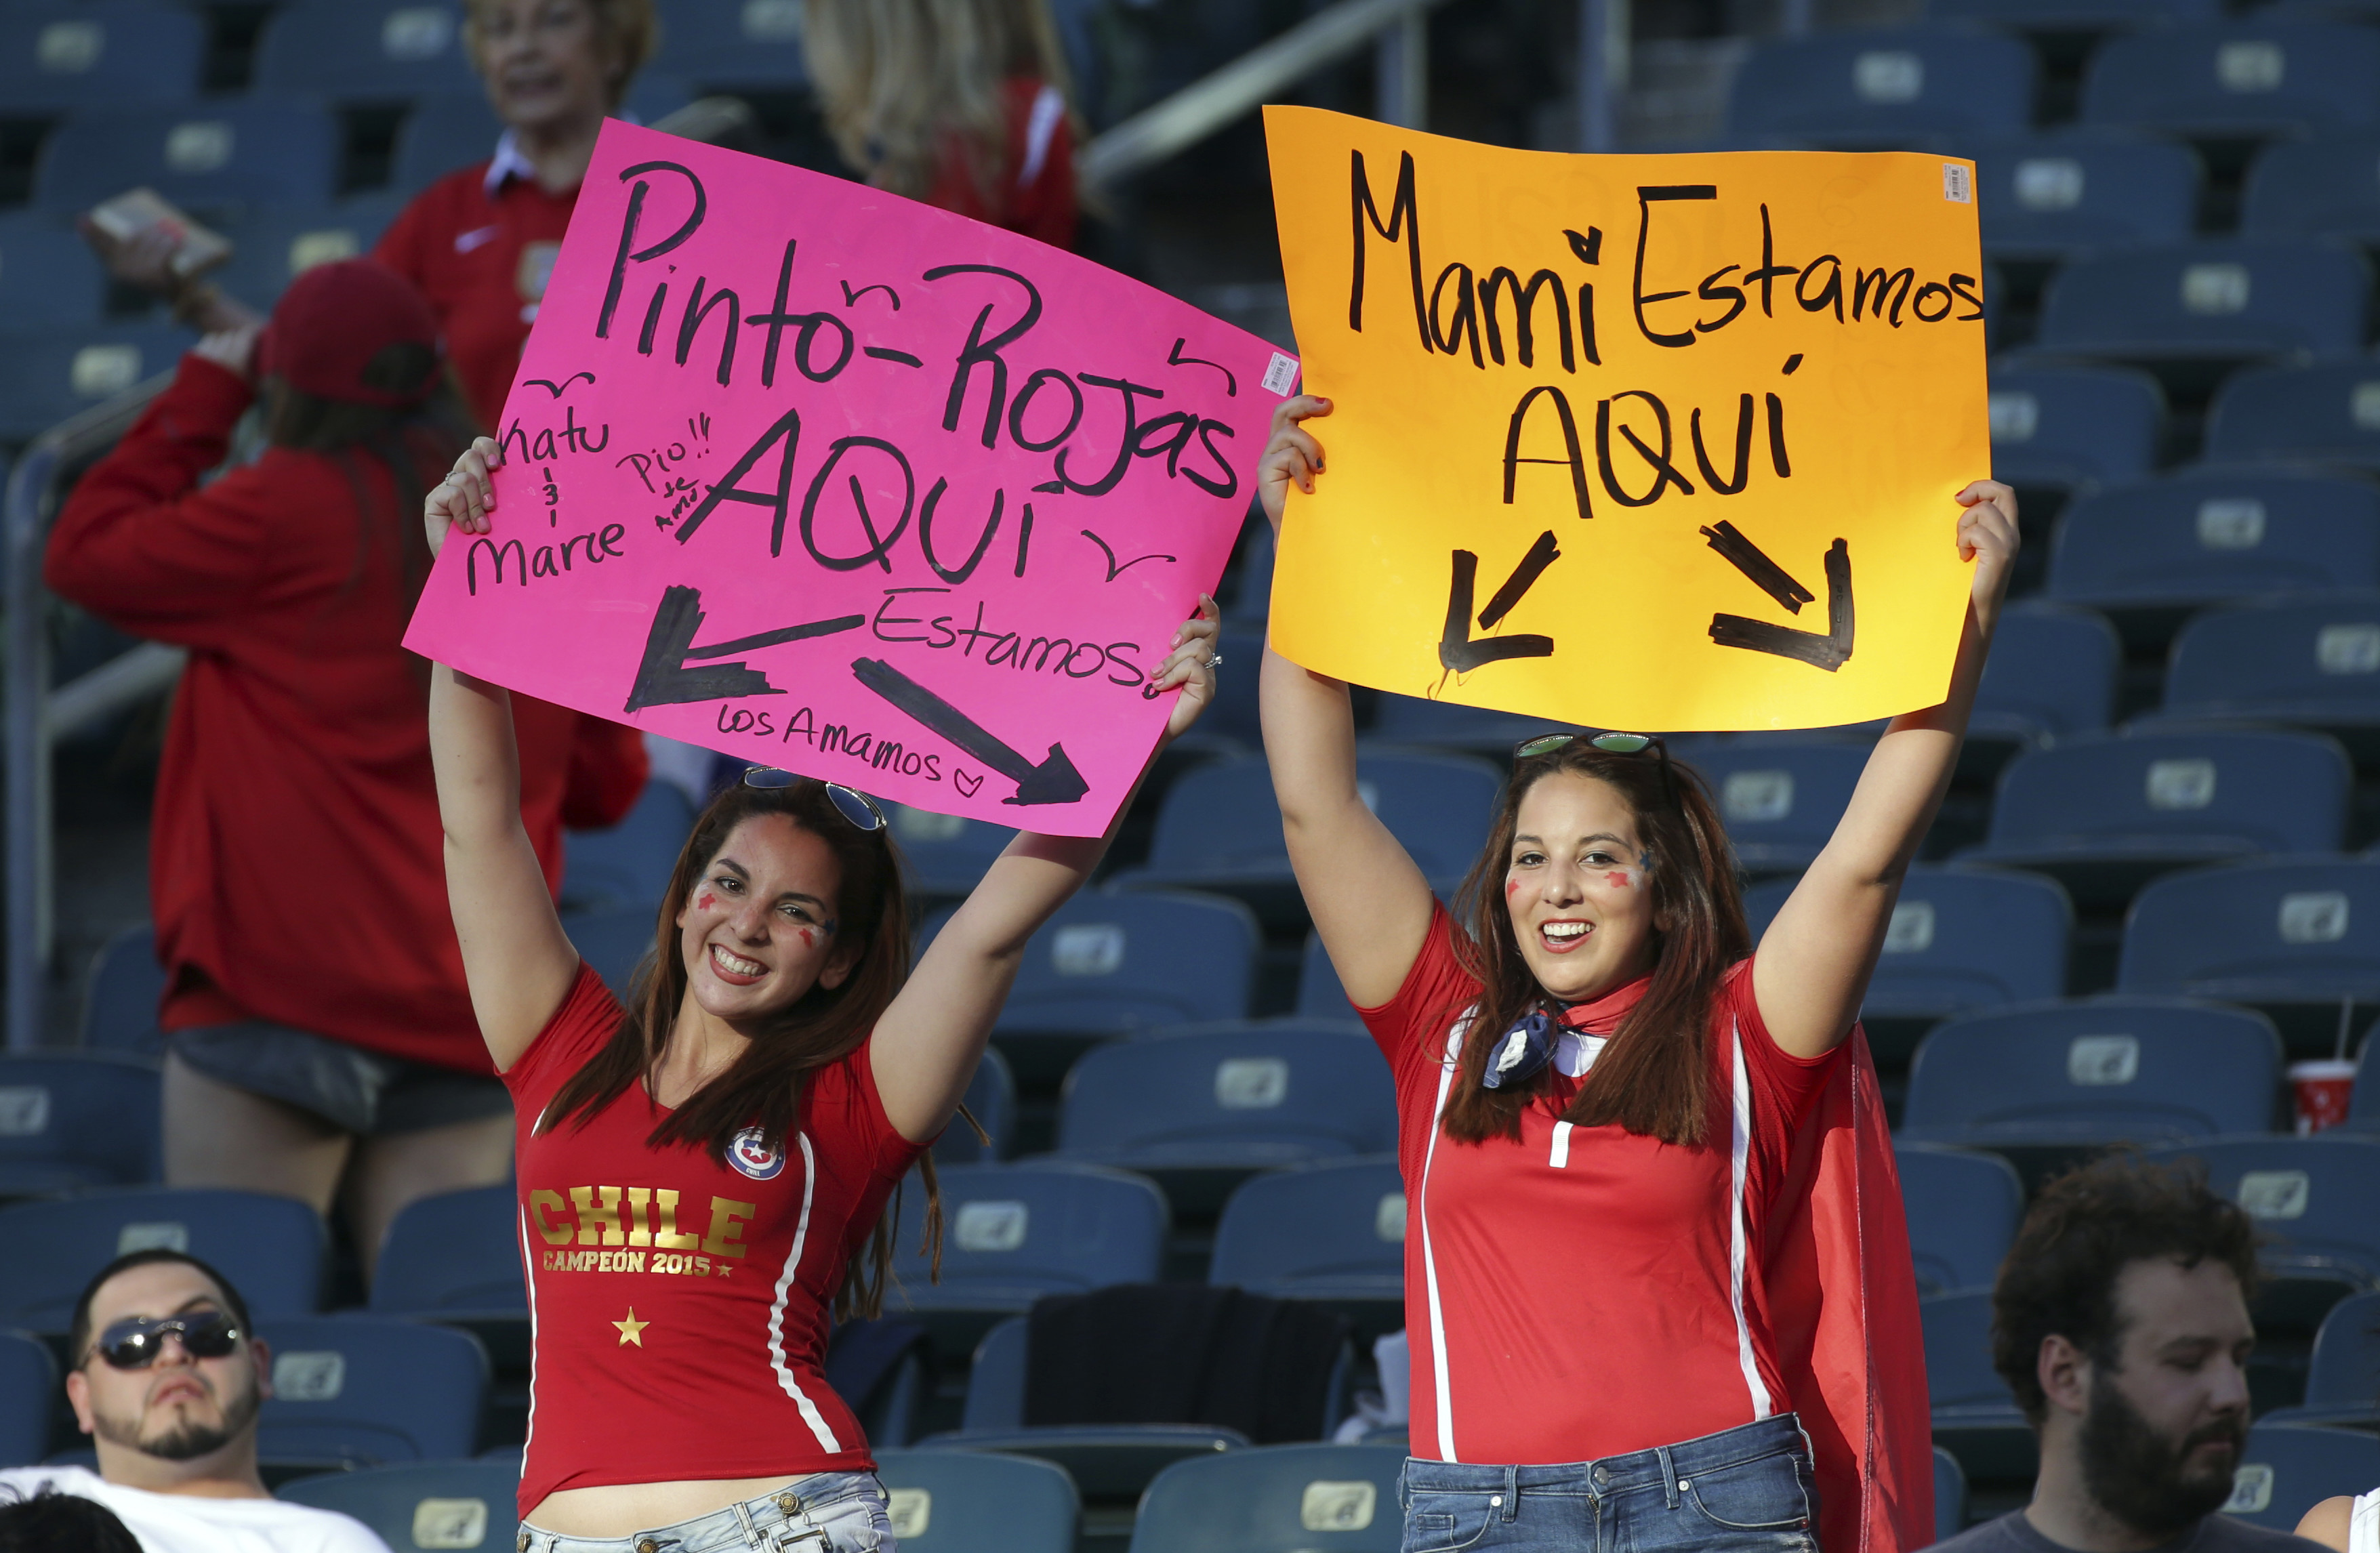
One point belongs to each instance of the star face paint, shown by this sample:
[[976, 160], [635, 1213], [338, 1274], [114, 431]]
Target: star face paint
[[706, 901], [1618, 879], [809, 940]]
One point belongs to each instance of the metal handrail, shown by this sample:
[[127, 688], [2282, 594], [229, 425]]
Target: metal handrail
[[36, 716], [1399, 28]]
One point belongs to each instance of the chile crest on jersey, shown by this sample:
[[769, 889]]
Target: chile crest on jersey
[[751, 1153]]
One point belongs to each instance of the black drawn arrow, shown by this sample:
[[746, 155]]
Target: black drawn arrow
[[664, 676], [1456, 648], [1829, 650], [1054, 781], [555, 388], [1108, 550]]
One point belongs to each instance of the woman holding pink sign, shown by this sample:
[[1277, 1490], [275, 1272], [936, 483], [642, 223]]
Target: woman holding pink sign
[[705, 1174], [1658, 1280]]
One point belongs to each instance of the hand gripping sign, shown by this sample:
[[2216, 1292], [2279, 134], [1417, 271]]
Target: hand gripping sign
[[832, 481], [1635, 442]]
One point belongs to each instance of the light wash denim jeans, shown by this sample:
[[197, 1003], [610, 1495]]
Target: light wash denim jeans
[[1742, 1490], [832, 1512]]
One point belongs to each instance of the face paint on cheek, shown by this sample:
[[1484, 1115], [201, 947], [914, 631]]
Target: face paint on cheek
[[705, 903], [1618, 879], [1511, 888], [809, 940]]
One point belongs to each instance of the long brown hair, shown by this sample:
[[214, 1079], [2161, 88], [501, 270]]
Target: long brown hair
[[406, 442], [762, 1087], [1654, 1078], [902, 81]]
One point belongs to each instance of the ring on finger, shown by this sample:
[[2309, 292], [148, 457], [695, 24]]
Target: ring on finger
[[1216, 661]]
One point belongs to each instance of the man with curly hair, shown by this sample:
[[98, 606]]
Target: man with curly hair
[[2121, 1322]]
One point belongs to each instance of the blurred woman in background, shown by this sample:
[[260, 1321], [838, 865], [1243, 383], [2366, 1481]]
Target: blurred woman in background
[[320, 1040], [962, 104], [480, 242]]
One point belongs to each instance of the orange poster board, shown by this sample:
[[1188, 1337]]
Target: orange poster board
[[1635, 442]]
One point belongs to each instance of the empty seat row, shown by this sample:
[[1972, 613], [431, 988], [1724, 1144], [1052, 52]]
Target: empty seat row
[[1870, 89]]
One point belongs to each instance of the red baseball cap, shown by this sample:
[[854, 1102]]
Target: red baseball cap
[[334, 320]]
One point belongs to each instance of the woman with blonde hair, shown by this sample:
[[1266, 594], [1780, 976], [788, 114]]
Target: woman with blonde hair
[[960, 103]]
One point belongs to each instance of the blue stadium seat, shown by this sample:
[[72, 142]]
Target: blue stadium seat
[[1780, 799], [991, 1097], [2299, 930], [614, 942], [1109, 1462], [1199, 1110], [363, 50], [1949, 1496], [1975, 1418], [2211, 298], [2154, 551], [2050, 197], [2311, 1199], [2229, 79], [1331, 1231], [29, 1397], [272, 1248], [1450, 725], [756, 44], [273, 248], [2075, 426], [454, 1256], [204, 157], [2322, 415], [1114, 964], [59, 58], [1012, 1234], [69, 1121], [2288, 1469], [431, 1504], [121, 998], [1252, 592], [971, 1501], [1319, 996], [2307, 660], [1218, 827], [2104, 1070], [1961, 937], [1881, 88], [2320, 186], [55, 279], [2076, 16], [1279, 1499], [2051, 674], [629, 864], [1233, 717], [361, 1390], [946, 855], [1964, 1209], [2105, 814], [2343, 1379], [45, 378]]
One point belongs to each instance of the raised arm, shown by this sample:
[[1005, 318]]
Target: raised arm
[[1815, 959], [1368, 901], [517, 960], [926, 1045]]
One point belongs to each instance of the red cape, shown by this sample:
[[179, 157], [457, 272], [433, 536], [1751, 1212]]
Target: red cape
[[1843, 1305]]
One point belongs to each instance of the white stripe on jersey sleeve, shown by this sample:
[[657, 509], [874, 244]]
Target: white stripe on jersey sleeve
[[811, 1415], [1738, 1232]]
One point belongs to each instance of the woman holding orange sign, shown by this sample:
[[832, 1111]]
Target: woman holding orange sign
[[1660, 1290]]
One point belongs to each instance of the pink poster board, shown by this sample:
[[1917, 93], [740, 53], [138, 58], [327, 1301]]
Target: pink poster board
[[828, 480]]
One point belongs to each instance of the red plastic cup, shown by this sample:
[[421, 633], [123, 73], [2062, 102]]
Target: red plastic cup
[[2321, 1090]]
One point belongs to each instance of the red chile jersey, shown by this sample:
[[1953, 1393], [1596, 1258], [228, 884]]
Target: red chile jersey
[[1585, 1292], [678, 1307]]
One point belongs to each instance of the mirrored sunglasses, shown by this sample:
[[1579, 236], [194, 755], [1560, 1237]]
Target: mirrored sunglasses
[[134, 1342], [856, 806], [1610, 744]]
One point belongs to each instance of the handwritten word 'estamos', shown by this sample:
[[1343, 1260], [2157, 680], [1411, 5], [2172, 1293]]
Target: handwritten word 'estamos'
[[1094, 437]]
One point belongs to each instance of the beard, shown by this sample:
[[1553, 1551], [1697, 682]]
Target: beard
[[186, 1440], [2140, 1477]]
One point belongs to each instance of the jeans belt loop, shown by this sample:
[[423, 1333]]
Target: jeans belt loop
[[753, 1536], [1668, 1475], [1511, 1494]]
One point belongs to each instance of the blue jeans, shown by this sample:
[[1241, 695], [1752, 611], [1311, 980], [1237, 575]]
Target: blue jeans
[[832, 1512], [1742, 1490]]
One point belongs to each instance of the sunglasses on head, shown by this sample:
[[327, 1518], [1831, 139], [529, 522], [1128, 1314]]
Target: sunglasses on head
[[1609, 743], [857, 807], [134, 1342]]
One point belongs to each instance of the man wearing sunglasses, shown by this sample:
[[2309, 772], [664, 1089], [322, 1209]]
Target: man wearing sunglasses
[[166, 1380]]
